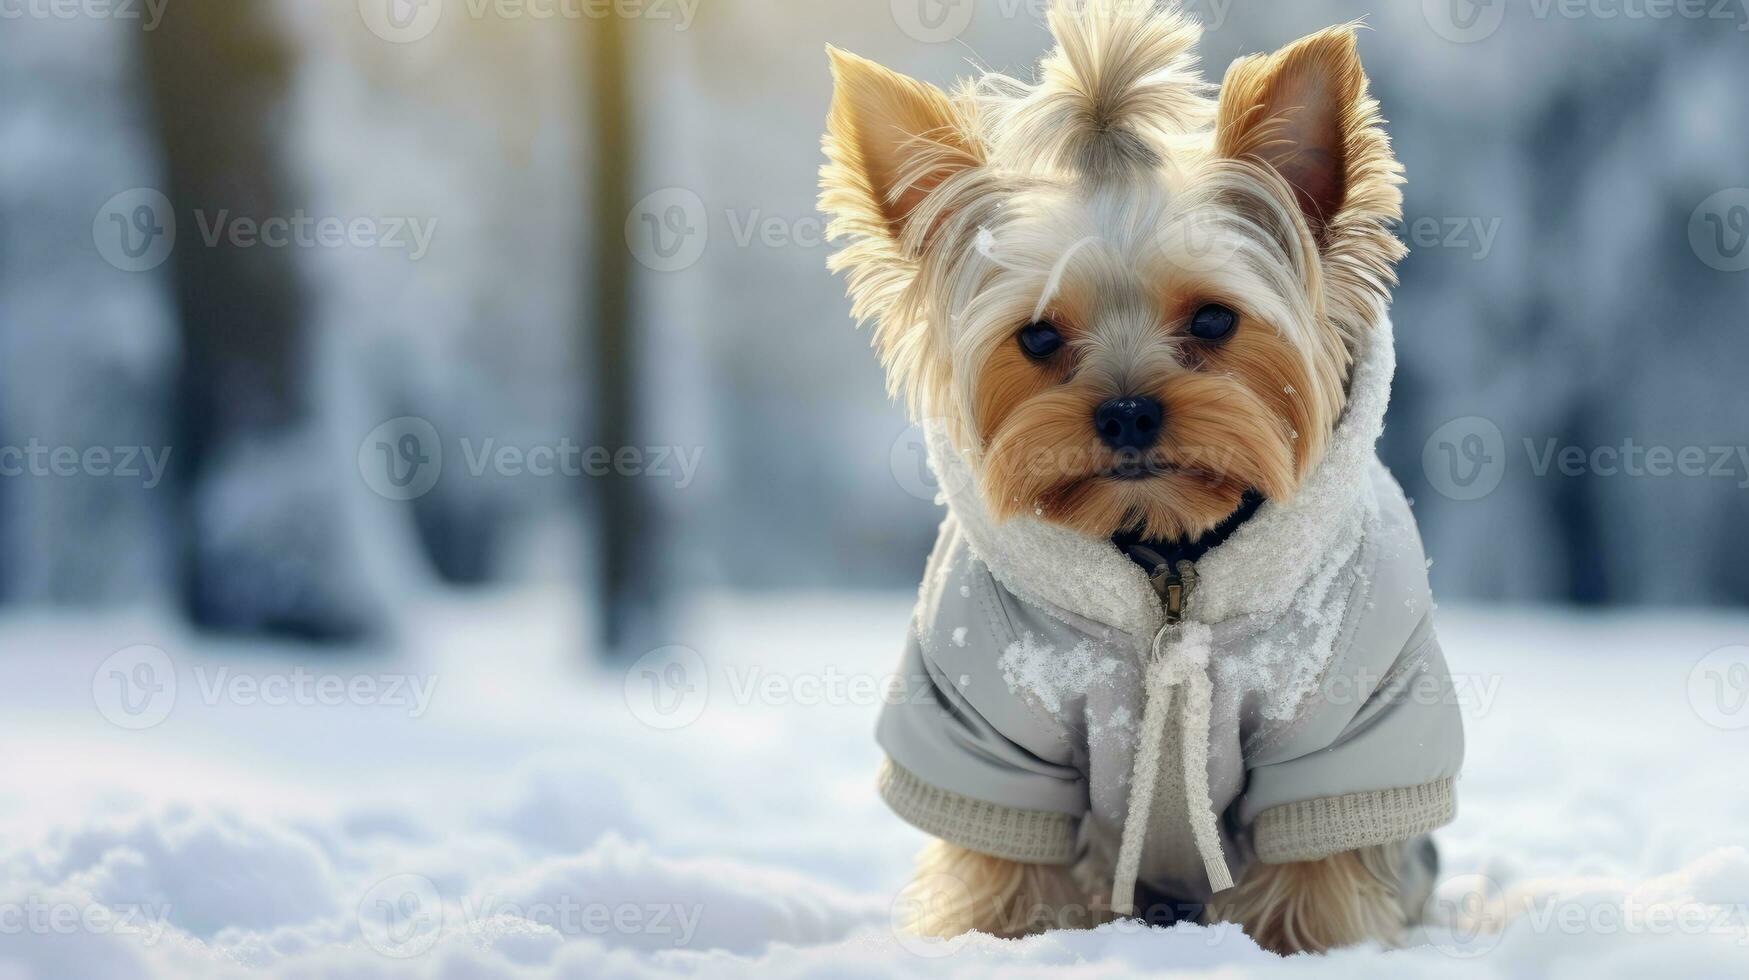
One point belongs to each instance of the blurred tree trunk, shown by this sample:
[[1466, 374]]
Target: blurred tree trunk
[[86, 346], [262, 540], [627, 591]]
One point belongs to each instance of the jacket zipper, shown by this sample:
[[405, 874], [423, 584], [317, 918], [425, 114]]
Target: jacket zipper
[[1172, 583], [1174, 586]]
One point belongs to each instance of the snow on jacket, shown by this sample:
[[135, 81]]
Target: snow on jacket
[[1294, 705]]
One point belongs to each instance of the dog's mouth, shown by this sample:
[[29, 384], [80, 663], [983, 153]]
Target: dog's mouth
[[1133, 470], [1128, 467]]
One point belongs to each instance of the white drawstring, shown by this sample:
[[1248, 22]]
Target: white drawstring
[[1181, 663]]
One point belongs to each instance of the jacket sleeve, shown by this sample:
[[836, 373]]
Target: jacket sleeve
[[1374, 758], [1388, 776], [967, 761]]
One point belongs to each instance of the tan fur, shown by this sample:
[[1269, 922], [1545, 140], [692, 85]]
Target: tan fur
[[891, 143], [1114, 198], [1315, 906], [1310, 906], [959, 891]]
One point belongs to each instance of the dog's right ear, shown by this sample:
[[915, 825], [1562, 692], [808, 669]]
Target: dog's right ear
[[890, 140]]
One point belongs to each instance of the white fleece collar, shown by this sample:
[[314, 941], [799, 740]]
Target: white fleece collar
[[1256, 571]]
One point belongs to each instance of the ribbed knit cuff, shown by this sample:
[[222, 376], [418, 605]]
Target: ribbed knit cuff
[[1314, 829], [1029, 836]]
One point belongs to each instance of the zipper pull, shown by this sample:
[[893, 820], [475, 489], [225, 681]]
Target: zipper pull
[[1174, 587]]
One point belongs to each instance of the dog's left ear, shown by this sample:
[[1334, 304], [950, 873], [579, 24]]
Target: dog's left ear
[[1305, 111], [891, 141]]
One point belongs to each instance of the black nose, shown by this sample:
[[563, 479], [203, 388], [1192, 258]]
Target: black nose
[[1129, 423]]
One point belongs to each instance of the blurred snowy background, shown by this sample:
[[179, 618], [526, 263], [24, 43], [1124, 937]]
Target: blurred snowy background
[[404, 339], [1575, 281]]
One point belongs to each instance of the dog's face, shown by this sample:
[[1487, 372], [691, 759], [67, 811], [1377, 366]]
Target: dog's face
[[1128, 316]]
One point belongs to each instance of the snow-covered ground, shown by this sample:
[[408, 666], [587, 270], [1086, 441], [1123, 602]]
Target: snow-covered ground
[[479, 801]]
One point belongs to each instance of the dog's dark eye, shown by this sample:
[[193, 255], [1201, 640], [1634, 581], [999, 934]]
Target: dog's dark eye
[[1213, 322], [1040, 340]]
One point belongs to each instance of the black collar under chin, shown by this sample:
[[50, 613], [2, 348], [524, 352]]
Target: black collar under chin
[[1150, 553]]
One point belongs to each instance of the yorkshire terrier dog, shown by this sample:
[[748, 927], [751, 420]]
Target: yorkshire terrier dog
[[1176, 626]]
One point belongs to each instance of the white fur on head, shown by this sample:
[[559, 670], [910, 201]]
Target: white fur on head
[[914, 175], [1120, 88]]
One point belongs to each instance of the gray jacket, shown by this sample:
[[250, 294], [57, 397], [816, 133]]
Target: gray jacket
[[1284, 699]]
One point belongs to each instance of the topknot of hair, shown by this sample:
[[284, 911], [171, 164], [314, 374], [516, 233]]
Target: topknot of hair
[[1121, 85]]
